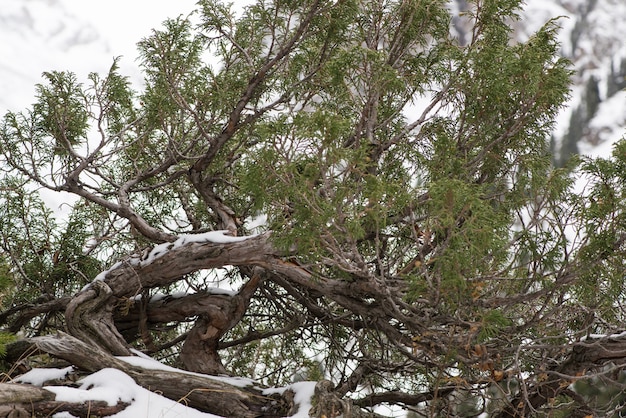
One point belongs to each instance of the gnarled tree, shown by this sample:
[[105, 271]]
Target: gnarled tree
[[320, 190]]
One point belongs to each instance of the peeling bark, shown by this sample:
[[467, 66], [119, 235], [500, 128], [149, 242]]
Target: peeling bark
[[199, 352]]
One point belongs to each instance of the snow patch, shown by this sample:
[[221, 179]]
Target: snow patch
[[217, 237], [113, 386], [220, 291], [38, 377], [107, 385], [256, 223], [610, 120], [618, 336]]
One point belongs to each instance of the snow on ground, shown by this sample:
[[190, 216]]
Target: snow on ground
[[39, 376], [113, 386], [607, 126]]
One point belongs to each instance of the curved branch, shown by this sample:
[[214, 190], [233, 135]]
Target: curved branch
[[20, 315], [397, 397], [89, 316]]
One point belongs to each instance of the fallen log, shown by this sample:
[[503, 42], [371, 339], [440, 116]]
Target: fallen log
[[217, 395]]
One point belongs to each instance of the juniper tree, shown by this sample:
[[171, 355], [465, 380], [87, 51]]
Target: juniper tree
[[379, 196]]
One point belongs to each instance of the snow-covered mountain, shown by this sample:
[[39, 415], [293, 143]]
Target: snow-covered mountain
[[83, 36], [593, 37]]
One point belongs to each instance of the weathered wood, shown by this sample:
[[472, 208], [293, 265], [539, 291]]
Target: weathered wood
[[17, 393], [89, 316], [200, 351], [86, 409], [129, 278], [14, 411], [213, 395]]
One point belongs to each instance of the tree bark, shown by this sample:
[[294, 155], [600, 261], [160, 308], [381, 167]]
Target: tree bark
[[89, 314], [89, 317], [223, 396], [48, 408], [25, 401], [17, 393], [200, 351]]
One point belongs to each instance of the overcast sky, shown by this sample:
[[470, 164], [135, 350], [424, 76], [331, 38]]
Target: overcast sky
[[124, 22]]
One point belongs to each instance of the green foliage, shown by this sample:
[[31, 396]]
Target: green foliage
[[41, 258], [493, 323], [27, 230], [7, 281], [5, 338], [473, 233], [113, 95], [604, 220], [60, 110]]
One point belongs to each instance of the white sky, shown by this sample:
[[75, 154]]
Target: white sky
[[124, 22]]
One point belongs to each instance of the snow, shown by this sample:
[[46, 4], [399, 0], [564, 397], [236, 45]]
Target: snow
[[537, 12], [256, 223], [108, 385], [617, 336], [113, 386], [103, 274], [217, 237], [609, 121], [221, 291], [84, 36], [38, 377]]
